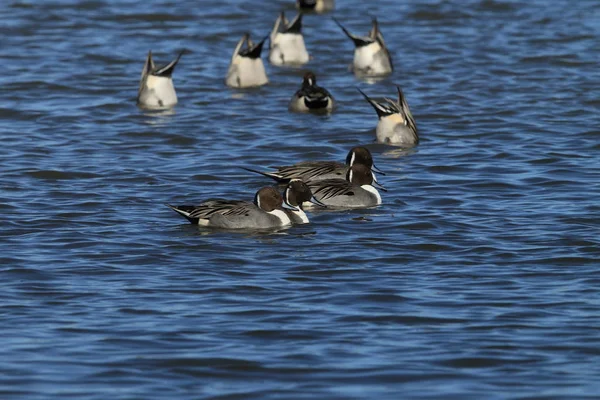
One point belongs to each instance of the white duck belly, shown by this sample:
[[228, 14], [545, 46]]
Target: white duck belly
[[158, 92], [392, 130], [288, 48], [246, 72], [371, 60]]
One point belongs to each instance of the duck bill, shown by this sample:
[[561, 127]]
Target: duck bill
[[315, 201], [379, 186], [288, 206], [377, 170]]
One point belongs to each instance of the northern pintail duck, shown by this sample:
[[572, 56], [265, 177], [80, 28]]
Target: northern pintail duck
[[156, 86], [371, 56], [296, 194], [356, 191], [319, 170], [246, 68], [265, 212], [318, 6], [396, 124], [287, 43], [311, 97]]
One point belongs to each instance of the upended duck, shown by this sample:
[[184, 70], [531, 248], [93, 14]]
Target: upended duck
[[371, 56], [246, 68], [287, 43], [396, 124], [156, 89]]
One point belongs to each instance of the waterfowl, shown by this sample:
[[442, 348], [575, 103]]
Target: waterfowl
[[396, 124], [319, 170], [296, 194], [371, 56], [311, 97], [246, 68], [265, 212], [156, 86], [356, 191], [287, 43]]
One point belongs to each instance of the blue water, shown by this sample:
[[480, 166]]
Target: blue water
[[476, 279]]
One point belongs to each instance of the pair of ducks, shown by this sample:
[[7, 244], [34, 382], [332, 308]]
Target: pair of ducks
[[395, 125], [246, 68], [308, 183], [287, 47]]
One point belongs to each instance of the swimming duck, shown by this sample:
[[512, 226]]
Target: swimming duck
[[287, 43], [396, 124], [356, 191], [318, 6], [371, 56], [246, 68], [311, 97], [319, 170], [296, 194], [265, 212], [156, 86]]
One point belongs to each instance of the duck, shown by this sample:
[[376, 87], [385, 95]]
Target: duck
[[287, 43], [310, 97], [356, 191], [156, 89], [265, 212], [318, 6], [246, 68], [371, 56], [296, 194], [320, 170], [396, 125]]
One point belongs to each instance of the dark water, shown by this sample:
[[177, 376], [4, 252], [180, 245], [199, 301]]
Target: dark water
[[478, 278]]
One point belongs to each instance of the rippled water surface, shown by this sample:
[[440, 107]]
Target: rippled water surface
[[478, 278]]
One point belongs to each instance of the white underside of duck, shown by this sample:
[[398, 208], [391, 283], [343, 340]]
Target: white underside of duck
[[246, 72], [288, 49], [158, 93], [393, 130], [371, 60]]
